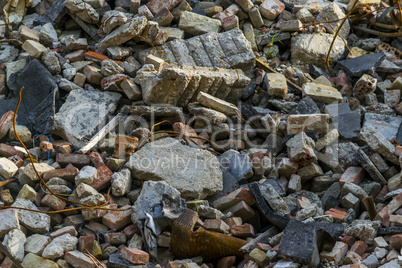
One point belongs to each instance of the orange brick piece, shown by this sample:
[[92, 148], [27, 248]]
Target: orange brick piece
[[135, 256], [6, 122], [352, 175]]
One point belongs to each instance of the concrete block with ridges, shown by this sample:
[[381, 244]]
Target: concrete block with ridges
[[230, 49], [178, 86]]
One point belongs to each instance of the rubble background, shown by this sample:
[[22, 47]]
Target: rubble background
[[187, 133]]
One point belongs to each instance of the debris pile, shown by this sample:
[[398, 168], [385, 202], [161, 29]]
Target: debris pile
[[187, 133]]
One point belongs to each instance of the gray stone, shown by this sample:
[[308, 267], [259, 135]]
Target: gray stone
[[68, 85], [178, 165], [387, 125], [150, 201], [332, 12], [365, 230], [51, 62], [14, 242], [178, 87], [33, 221], [121, 182], [36, 243], [195, 24], [274, 199], [301, 149], [347, 122], [356, 190], [86, 175], [312, 48], [338, 156], [391, 264], [110, 67], [379, 144], [122, 34], [59, 246], [9, 54], [83, 113], [83, 10], [210, 116], [365, 64], [223, 50], [371, 261], [322, 93], [48, 34]]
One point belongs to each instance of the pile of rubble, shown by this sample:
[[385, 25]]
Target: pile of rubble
[[189, 133]]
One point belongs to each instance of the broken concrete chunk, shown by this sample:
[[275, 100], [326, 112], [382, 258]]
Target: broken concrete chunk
[[194, 180], [186, 83], [313, 48], [83, 113], [122, 34], [83, 10], [195, 24], [322, 93]]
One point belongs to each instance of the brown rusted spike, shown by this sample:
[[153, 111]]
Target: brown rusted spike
[[187, 243], [370, 206], [2, 183]]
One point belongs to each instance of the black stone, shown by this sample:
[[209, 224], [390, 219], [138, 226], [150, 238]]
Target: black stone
[[331, 202], [371, 169], [39, 96], [365, 64], [193, 3], [249, 90], [199, 11], [306, 106], [41, 20], [317, 71], [300, 243], [227, 3], [389, 231], [347, 122], [399, 134], [116, 261], [57, 11], [303, 241]]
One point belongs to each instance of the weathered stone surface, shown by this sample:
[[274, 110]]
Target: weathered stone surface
[[14, 242], [34, 261], [7, 168], [178, 87], [59, 245], [322, 93], [387, 125], [222, 50], [8, 221], [121, 182], [364, 230], [195, 24], [83, 10], [36, 243], [83, 113], [151, 200], [332, 12], [379, 144], [274, 200], [195, 173], [311, 48], [33, 221], [123, 33]]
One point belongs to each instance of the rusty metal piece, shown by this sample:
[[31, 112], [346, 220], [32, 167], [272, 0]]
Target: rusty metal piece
[[370, 206], [187, 243]]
